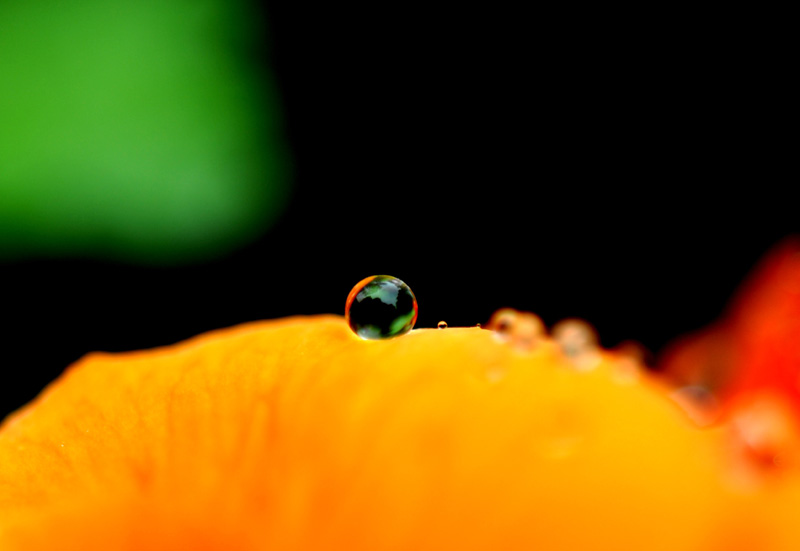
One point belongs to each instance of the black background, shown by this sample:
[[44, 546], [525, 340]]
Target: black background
[[621, 167]]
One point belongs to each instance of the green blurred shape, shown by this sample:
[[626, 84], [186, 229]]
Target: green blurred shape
[[138, 130]]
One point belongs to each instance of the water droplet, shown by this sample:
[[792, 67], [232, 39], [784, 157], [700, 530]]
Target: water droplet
[[575, 337], [522, 328], [442, 325], [502, 321], [380, 307], [578, 342], [478, 325]]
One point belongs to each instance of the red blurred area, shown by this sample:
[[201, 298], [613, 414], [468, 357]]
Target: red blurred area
[[754, 350]]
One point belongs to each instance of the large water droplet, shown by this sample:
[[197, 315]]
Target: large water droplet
[[442, 325], [380, 307]]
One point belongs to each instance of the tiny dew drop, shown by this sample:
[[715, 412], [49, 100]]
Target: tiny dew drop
[[442, 325], [381, 307]]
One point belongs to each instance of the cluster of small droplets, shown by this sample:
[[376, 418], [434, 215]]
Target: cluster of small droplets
[[575, 339]]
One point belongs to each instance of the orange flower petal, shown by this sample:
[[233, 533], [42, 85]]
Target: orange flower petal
[[296, 434]]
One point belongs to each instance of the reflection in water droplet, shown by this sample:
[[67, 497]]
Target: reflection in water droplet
[[578, 342], [442, 325], [380, 307]]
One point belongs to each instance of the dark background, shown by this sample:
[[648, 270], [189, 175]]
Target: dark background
[[620, 167]]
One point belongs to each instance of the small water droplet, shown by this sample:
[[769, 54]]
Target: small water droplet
[[381, 307], [522, 328], [442, 325], [478, 325], [574, 337], [578, 342], [502, 321]]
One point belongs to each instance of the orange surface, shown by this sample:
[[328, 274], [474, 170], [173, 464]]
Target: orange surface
[[295, 434]]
